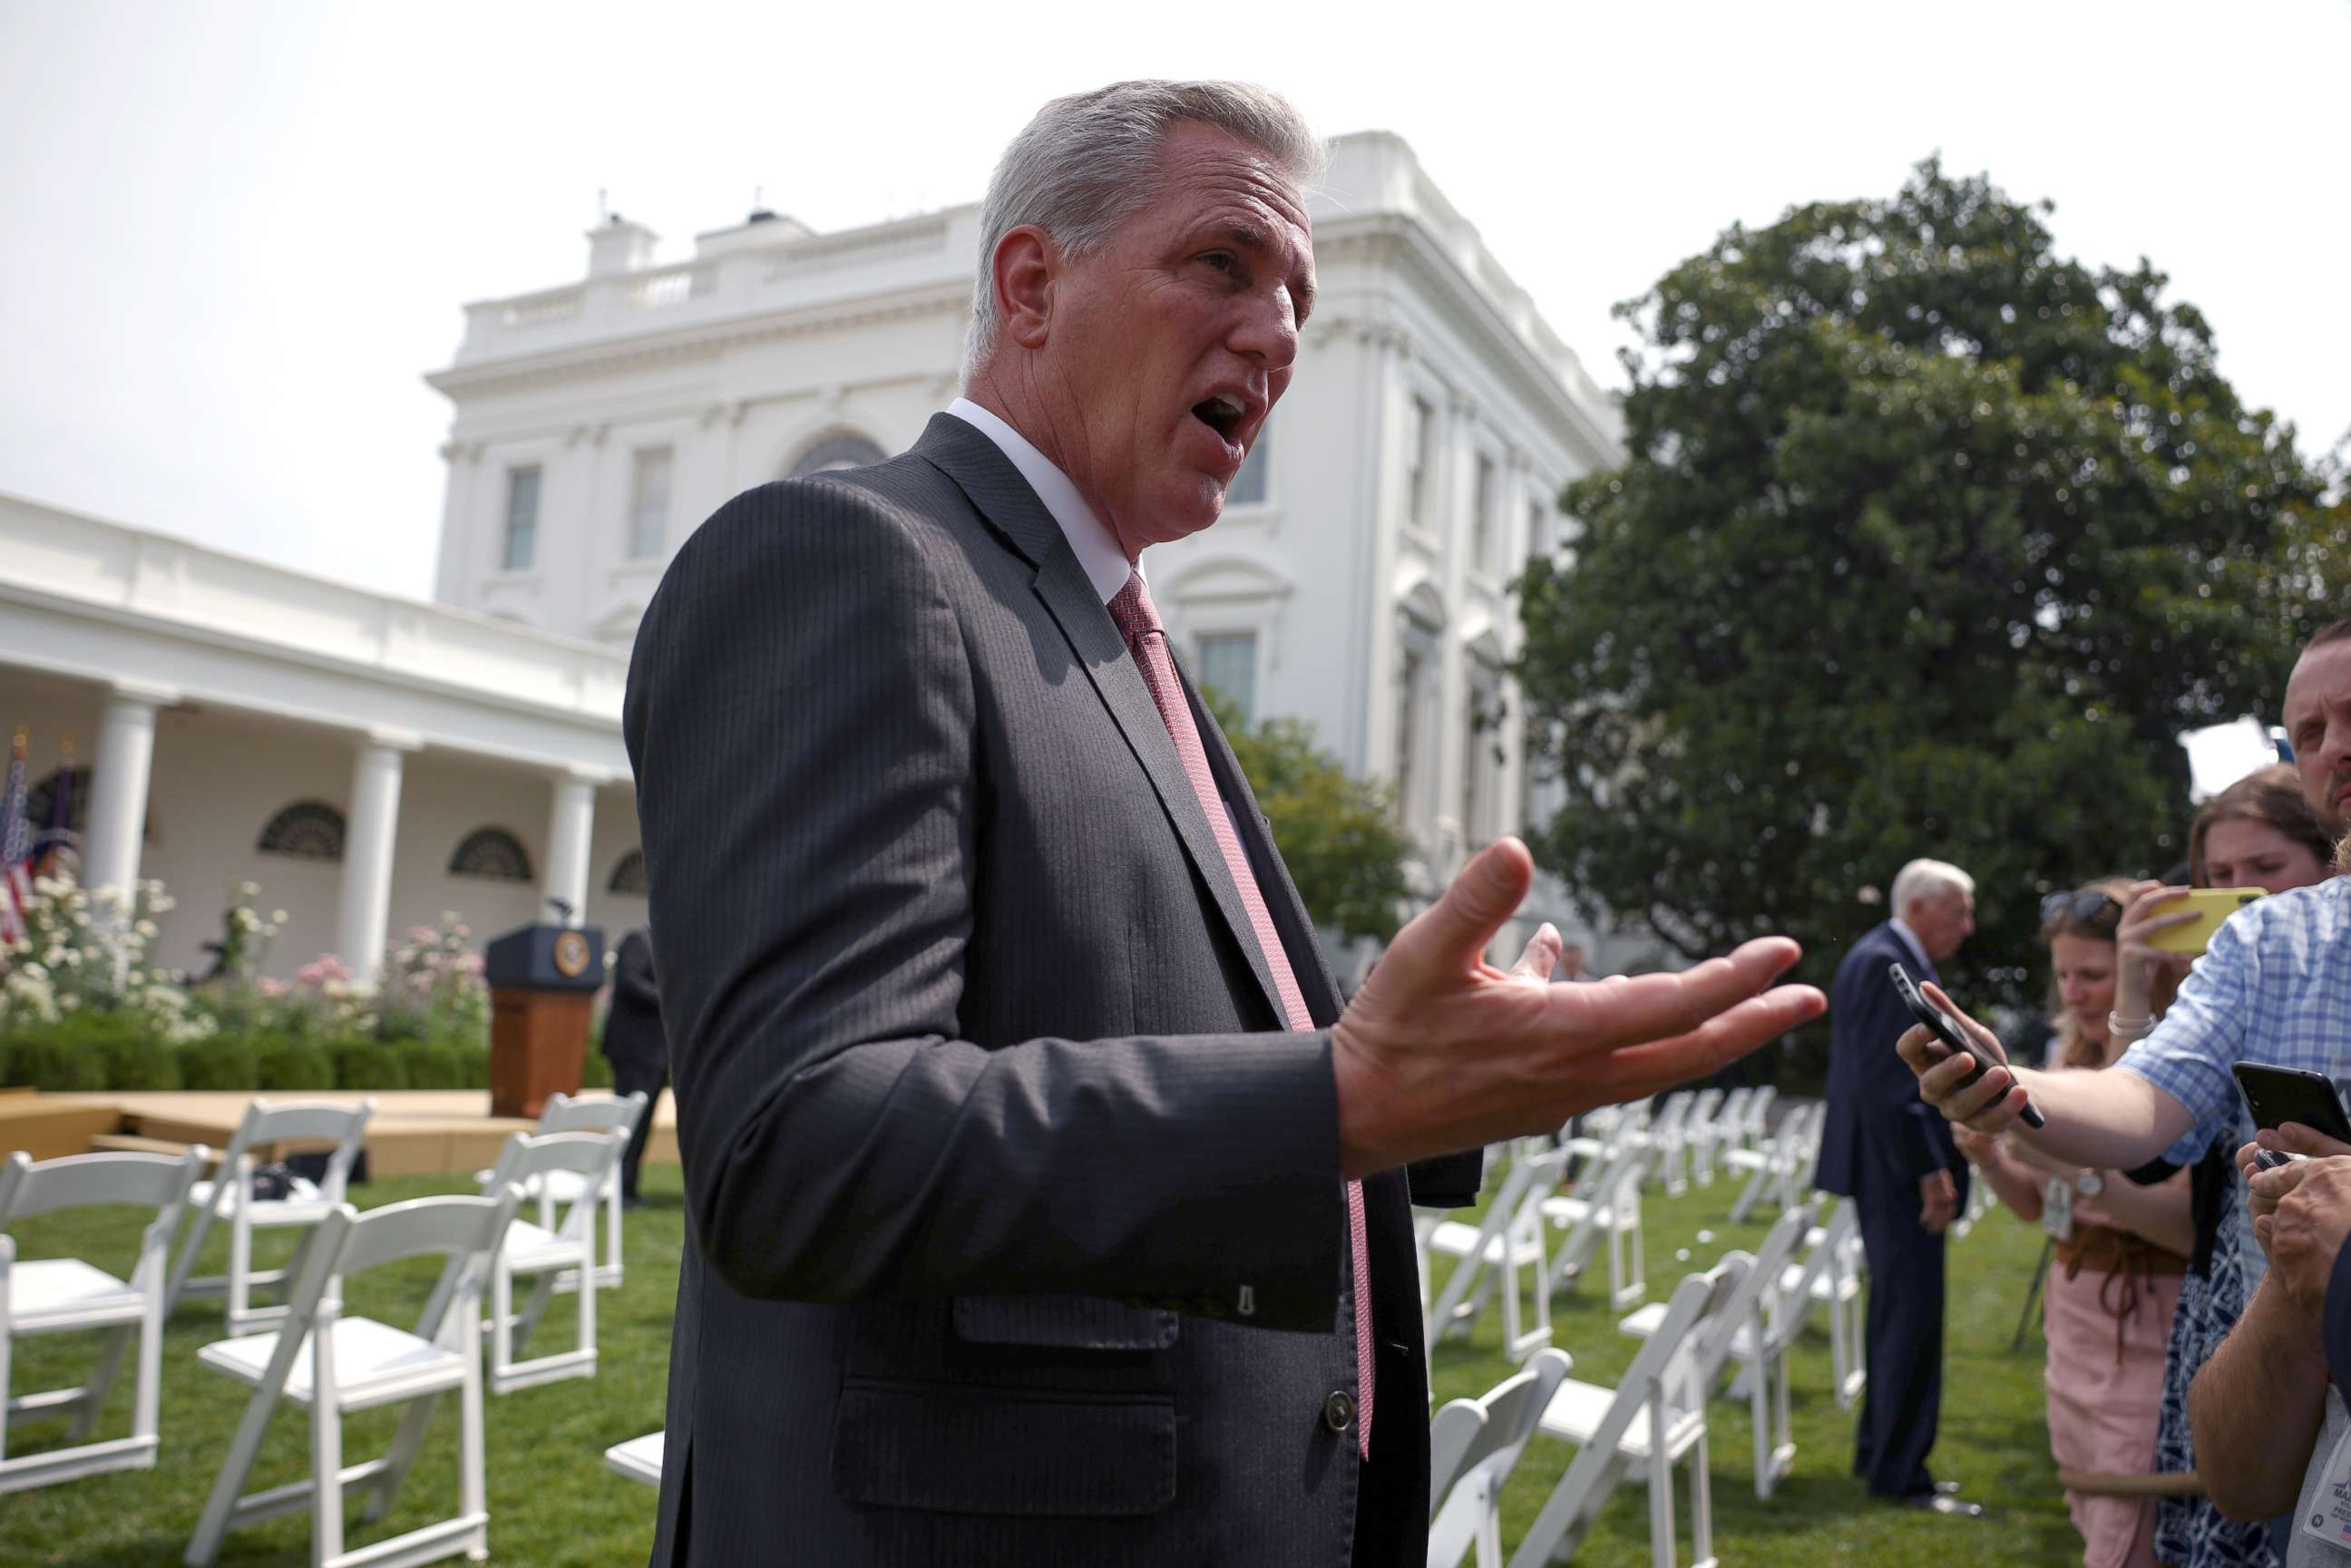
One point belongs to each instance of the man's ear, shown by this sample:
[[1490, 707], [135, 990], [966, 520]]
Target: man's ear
[[1027, 265]]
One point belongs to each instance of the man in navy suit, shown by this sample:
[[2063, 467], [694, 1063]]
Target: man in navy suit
[[1894, 1156]]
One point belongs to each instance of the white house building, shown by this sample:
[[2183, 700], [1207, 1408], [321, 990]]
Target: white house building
[[373, 760]]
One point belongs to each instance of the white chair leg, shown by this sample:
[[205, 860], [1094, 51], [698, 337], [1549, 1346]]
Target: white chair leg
[[7, 1340], [1661, 1485], [102, 1382], [236, 1465], [1489, 1523], [240, 1270], [501, 1318], [473, 1489], [326, 1449], [1702, 1506], [384, 1488]]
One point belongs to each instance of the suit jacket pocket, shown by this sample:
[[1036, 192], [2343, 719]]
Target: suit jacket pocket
[[1062, 1323], [950, 1449]]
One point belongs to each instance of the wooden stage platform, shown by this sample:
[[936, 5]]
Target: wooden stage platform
[[415, 1131]]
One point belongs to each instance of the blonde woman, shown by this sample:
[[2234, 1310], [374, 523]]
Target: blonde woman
[[2121, 1254]]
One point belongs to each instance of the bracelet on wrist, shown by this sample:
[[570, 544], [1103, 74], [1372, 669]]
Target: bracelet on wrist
[[2118, 1025]]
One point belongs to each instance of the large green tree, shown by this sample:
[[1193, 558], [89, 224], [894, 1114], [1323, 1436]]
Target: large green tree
[[1337, 834], [1930, 542]]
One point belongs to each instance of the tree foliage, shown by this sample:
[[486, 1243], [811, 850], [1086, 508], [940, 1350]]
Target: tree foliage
[[1337, 834], [1930, 542]]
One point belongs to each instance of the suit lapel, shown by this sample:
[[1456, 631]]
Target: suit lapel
[[1005, 499], [1292, 922]]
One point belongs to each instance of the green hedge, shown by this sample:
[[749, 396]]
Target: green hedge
[[91, 1052]]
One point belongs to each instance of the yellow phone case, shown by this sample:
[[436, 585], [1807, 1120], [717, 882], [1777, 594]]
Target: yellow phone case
[[2212, 905]]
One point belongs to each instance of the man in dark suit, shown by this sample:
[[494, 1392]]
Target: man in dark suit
[[635, 1046], [1046, 1206], [1894, 1156]]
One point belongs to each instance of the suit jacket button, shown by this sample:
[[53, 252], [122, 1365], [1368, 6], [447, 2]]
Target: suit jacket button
[[1339, 1411]]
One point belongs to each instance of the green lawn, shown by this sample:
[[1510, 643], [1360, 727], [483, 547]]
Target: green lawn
[[552, 1504]]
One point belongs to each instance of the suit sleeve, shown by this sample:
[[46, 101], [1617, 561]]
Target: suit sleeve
[[800, 714], [1905, 1131], [632, 975]]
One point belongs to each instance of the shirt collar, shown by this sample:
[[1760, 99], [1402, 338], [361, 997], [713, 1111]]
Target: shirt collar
[[1106, 565], [1910, 940]]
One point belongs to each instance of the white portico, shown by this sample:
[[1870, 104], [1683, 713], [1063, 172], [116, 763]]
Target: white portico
[[369, 762]]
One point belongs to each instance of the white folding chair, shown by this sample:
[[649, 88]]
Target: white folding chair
[[58, 1295], [229, 1197], [603, 1113], [331, 1365], [1756, 1125], [1652, 1420], [639, 1458], [1698, 1135], [1746, 1333], [1669, 1133], [546, 1254], [1723, 1131], [1606, 1204], [1831, 1275], [1777, 1163], [1494, 1253], [1473, 1445]]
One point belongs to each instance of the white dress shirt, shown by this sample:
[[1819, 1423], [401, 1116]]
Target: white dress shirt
[[1106, 565], [1917, 948]]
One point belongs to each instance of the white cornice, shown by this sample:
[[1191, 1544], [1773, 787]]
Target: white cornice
[[616, 353]]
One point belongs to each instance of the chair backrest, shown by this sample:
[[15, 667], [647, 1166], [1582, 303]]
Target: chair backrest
[[453, 1226], [1685, 1374], [1708, 1101], [1511, 1408], [1451, 1433], [323, 1121], [604, 1114], [1759, 1110], [1673, 1112], [1835, 1236], [84, 1181], [1746, 1304], [1732, 1119], [589, 1154]]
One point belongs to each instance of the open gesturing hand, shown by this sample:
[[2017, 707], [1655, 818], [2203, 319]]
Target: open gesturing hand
[[1441, 1051]]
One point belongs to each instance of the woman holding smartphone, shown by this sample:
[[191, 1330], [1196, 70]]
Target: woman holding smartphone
[[2121, 1253], [2258, 833]]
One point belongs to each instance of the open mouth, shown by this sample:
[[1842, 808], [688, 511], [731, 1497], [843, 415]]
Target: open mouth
[[1223, 416]]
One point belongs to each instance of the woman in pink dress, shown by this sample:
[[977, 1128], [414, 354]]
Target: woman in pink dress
[[2121, 1250]]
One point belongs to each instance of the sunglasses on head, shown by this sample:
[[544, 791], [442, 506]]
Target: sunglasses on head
[[2090, 906]]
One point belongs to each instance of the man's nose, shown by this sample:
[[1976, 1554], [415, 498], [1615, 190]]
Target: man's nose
[[1267, 330]]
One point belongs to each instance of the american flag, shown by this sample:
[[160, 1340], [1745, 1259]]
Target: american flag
[[16, 849]]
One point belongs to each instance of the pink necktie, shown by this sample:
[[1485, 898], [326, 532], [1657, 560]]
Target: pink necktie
[[1146, 639]]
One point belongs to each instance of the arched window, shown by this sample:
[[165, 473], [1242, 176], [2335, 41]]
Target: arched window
[[492, 854], [628, 875], [307, 829], [841, 449]]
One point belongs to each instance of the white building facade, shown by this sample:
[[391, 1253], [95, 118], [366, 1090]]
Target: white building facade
[[466, 755]]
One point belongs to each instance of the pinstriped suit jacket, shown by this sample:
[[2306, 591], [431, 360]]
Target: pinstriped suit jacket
[[1016, 1233]]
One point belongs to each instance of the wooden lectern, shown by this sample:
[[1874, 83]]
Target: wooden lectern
[[543, 982]]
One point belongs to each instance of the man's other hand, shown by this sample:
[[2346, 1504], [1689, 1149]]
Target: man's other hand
[[1938, 1203], [2302, 1212], [1441, 1051], [1990, 1105]]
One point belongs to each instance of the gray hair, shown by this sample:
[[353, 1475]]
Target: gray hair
[[1926, 879], [1088, 163]]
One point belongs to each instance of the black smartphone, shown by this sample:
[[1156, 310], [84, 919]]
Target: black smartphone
[[1946, 1028], [2276, 1095]]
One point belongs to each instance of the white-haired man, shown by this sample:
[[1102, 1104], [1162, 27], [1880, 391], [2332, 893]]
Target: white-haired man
[[1898, 1162], [1047, 1207]]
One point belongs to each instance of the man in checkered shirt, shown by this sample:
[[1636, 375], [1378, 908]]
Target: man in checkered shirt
[[2274, 986]]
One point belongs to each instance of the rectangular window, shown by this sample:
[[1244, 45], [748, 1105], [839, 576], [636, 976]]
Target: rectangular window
[[648, 503], [1248, 485], [1229, 664], [1481, 520], [521, 545], [1408, 740], [1419, 434]]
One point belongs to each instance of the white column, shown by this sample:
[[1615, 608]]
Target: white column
[[1453, 671], [119, 778], [568, 831], [369, 833]]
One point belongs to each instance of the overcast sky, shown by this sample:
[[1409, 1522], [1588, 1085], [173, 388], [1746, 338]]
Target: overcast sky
[[232, 235]]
